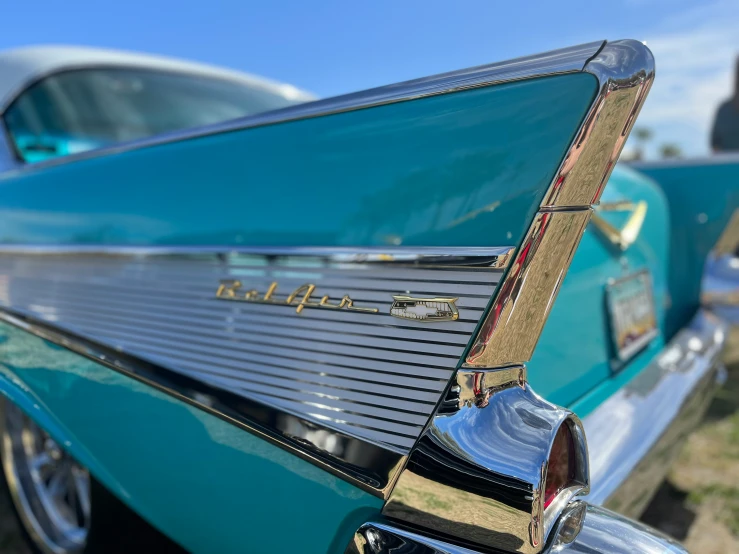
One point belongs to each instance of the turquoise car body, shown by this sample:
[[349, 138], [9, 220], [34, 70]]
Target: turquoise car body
[[703, 195], [405, 183], [421, 173], [579, 319]]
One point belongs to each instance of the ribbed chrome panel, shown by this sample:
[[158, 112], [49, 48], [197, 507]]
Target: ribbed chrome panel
[[368, 375]]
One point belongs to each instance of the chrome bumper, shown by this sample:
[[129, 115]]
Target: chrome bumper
[[582, 528], [721, 288], [632, 437], [635, 434]]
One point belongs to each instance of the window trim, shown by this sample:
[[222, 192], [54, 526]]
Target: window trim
[[10, 156]]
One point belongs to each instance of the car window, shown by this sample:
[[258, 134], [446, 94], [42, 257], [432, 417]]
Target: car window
[[84, 109]]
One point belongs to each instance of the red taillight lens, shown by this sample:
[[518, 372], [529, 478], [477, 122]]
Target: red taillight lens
[[561, 466]]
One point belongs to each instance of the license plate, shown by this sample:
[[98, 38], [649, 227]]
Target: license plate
[[633, 319]]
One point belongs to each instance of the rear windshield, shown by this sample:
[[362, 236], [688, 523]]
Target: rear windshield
[[83, 109]]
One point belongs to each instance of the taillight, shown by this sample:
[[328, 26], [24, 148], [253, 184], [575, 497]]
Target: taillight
[[561, 465]]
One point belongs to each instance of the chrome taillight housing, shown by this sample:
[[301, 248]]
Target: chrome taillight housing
[[497, 455]]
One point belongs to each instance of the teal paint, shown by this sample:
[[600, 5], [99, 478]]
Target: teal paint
[[462, 169], [703, 195], [207, 484], [574, 354]]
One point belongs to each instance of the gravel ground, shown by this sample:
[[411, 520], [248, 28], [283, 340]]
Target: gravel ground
[[698, 503]]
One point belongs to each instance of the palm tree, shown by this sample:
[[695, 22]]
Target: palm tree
[[670, 150], [642, 135]]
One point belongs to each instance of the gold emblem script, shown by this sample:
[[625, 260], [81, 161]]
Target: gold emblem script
[[301, 297]]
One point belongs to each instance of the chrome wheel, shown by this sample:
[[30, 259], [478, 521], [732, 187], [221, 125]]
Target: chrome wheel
[[51, 492]]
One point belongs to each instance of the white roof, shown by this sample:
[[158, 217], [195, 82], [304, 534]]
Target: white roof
[[20, 67]]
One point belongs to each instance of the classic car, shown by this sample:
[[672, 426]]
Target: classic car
[[318, 328], [702, 223]]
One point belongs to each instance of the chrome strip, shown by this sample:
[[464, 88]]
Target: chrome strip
[[512, 327], [581, 529], [365, 465], [625, 71], [381, 538], [311, 333], [720, 287], [566, 60], [492, 257], [601, 531], [636, 432], [340, 373]]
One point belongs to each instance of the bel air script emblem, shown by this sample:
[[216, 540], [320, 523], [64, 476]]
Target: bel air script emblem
[[424, 309], [230, 289]]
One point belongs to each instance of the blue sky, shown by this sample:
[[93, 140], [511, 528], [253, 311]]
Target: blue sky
[[333, 47]]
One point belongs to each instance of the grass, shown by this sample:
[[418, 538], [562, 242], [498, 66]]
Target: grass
[[725, 498], [699, 504]]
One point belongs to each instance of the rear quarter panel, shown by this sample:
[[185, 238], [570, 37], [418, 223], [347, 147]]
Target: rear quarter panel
[[464, 169]]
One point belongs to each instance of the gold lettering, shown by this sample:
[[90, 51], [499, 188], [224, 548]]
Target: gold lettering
[[350, 306], [270, 291], [308, 288], [324, 303], [228, 289]]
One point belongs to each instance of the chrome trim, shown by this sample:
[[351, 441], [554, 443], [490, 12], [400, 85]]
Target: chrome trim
[[236, 321], [479, 450], [511, 329], [720, 287], [478, 472], [367, 466], [492, 257], [582, 528], [605, 532], [381, 538], [432, 309], [32, 64], [625, 71], [566, 60], [328, 380], [636, 432]]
